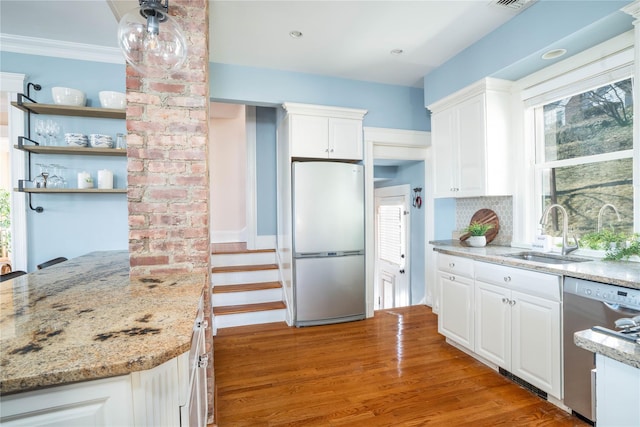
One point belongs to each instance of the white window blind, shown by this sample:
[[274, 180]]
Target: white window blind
[[391, 234]]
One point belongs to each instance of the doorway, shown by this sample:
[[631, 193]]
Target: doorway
[[392, 229], [13, 122], [5, 187], [409, 151], [228, 175]]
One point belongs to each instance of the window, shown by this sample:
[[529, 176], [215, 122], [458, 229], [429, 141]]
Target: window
[[584, 158]]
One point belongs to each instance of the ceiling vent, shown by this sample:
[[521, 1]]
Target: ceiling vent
[[512, 5]]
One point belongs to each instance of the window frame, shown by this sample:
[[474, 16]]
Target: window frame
[[608, 62]]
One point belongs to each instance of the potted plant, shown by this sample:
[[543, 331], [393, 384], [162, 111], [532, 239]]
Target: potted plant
[[477, 231]]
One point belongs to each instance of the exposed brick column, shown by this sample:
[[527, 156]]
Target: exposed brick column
[[168, 166], [168, 171]]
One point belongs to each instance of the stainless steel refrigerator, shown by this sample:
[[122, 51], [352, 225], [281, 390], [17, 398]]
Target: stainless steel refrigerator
[[328, 242]]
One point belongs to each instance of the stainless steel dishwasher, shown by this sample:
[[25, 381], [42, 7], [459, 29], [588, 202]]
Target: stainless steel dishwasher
[[588, 304]]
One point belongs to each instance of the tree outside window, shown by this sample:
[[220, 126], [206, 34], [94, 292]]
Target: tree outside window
[[585, 158]]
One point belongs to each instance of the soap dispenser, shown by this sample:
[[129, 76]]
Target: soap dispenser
[[542, 242]]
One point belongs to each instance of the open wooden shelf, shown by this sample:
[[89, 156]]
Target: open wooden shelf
[[71, 190], [67, 110], [87, 151]]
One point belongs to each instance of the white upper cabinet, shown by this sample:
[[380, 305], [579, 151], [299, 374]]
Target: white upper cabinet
[[470, 137], [321, 132]]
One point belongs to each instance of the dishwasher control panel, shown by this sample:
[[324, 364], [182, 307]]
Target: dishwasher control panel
[[603, 292]]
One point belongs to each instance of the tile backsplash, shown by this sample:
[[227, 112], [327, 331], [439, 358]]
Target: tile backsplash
[[502, 206]]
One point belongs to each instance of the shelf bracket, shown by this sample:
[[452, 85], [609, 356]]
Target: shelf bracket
[[21, 98], [21, 140], [21, 188], [38, 209]]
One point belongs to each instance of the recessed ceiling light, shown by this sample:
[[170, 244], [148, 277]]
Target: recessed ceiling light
[[295, 34], [397, 52], [555, 53]]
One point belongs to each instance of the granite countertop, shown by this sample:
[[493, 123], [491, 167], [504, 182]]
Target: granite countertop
[[610, 346], [621, 273], [85, 319]]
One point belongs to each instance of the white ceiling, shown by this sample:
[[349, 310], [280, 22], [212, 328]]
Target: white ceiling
[[348, 39]]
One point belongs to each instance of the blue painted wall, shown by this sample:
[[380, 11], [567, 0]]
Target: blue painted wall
[[266, 171], [413, 174], [74, 224], [388, 106], [513, 50]]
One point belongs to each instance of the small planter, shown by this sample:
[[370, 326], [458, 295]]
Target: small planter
[[477, 241]]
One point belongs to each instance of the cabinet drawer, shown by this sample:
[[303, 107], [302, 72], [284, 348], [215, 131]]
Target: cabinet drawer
[[456, 265], [531, 282]]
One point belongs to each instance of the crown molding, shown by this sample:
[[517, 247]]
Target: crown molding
[[324, 111], [60, 49]]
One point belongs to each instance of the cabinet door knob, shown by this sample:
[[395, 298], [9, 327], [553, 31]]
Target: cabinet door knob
[[512, 302], [331, 151], [507, 279], [203, 360], [505, 300], [452, 264], [452, 278], [202, 324]]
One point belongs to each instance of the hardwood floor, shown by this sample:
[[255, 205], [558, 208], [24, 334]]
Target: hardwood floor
[[391, 370]]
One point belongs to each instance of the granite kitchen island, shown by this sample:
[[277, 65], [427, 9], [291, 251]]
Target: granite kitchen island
[[85, 320]]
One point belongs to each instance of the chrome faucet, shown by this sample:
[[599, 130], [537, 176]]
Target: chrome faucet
[[606, 205], [566, 248]]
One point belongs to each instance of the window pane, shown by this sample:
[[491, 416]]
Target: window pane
[[594, 122], [583, 189]]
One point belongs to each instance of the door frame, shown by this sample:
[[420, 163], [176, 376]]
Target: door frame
[[13, 84], [384, 143], [396, 191]]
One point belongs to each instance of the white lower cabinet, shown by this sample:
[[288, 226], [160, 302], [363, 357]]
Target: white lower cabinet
[[455, 278], [99, 403], [508, 316], [493, 323], [517, 323]]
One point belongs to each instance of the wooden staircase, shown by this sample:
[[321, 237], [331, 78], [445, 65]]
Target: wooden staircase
[[245, 286]]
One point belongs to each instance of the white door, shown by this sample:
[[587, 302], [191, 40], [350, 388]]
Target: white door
[[392, 248]]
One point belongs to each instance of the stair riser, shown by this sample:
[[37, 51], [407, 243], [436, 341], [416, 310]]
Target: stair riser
[[239, 277], [254, 318], [258, 258], [250, 297]]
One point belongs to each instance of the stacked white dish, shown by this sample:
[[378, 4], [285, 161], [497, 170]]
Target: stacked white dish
[[97, 140], [76, 139]]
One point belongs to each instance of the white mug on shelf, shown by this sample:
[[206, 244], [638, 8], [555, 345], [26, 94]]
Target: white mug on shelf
[[84, 180], [105, 179]]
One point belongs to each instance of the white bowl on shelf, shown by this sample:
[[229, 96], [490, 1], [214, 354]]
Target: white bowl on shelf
[[68, 96], [111, 99]]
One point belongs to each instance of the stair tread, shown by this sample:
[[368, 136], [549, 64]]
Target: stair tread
[[248, 308], [236, 268], [245, 287]]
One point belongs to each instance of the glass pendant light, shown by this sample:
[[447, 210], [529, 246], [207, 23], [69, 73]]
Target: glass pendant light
[[150, 39]]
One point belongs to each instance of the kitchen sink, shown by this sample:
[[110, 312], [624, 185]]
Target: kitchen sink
[[545, 258]]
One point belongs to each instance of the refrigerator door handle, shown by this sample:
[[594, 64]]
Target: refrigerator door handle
[[326, 254]]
